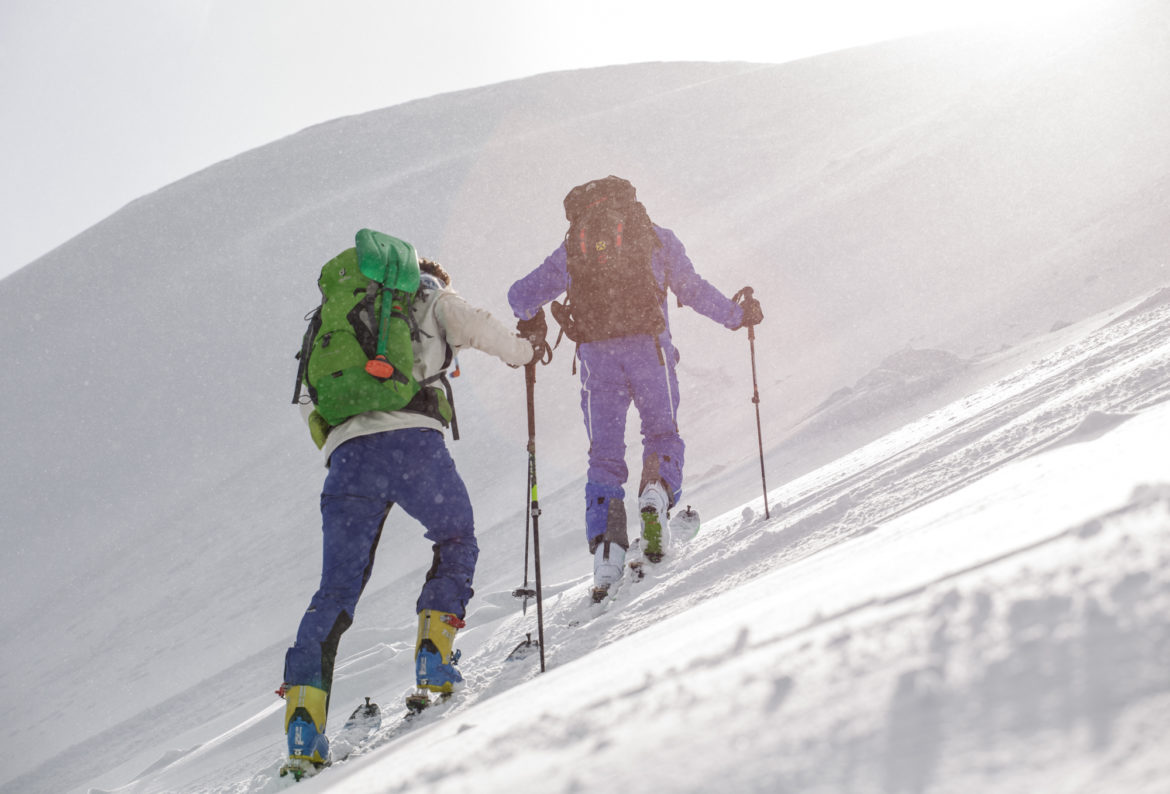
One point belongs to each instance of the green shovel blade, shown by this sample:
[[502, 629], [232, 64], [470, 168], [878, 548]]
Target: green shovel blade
[[387, 260]]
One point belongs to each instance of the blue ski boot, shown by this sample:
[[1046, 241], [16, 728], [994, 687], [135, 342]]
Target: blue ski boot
[[434, 657], [304, 724]]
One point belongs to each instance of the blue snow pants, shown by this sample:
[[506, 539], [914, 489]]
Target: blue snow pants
[[614, 374], [367, 476]]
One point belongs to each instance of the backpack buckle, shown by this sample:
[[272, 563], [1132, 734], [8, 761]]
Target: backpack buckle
[[380, 368]]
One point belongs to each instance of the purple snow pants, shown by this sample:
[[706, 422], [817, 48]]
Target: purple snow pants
[[367, 476], [615, 373]]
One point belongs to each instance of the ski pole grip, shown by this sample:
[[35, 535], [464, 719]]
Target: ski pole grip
[[747, 297]]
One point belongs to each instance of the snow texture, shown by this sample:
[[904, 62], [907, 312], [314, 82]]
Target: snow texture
[[960, 579]]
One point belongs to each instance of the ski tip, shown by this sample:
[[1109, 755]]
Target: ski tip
[[522, 651], [366, 710]]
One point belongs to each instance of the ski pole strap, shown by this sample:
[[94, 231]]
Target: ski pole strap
[[744, 294]]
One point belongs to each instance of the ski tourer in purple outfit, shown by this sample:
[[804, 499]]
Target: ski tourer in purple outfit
[[638, 369]]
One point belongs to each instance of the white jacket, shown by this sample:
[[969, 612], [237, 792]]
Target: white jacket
[[443, 318]]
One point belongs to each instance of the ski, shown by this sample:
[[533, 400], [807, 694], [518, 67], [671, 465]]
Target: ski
[[523, 650], [365, 730], [685, 525], [596, 604], [299, 768], [362, 725], [420, 699], [636, 559], [419, 706], [601, 597], [681, 528]]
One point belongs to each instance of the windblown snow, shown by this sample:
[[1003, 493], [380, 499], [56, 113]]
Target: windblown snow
[[959, 580]]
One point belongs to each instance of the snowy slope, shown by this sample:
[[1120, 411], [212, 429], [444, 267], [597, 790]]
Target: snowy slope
[[976, 601], [940, 222]]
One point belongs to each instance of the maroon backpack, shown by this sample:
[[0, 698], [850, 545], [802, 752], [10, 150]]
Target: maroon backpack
[[612, 290]]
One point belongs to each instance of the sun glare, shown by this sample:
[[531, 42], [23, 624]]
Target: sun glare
[[1048, 15]]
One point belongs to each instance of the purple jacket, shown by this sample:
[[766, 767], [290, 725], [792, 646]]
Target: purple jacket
[[672, 267]]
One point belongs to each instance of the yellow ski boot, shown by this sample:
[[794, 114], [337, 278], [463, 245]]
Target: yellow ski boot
[[434, 659], [304, 724]]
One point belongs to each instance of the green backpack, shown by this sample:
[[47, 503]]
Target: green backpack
[[357, 353]]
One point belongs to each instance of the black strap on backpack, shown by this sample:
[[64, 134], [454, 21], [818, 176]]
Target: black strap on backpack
[[314, 321], [426, 401]]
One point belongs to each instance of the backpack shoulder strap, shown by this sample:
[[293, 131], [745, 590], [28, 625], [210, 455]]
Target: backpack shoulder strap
[[426, 402]]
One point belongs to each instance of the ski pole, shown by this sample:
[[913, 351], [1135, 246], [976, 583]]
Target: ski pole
[[534, 505], [524, 591], [746, 294]]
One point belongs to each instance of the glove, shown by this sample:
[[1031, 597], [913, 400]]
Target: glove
[[535, 330], [752, 313]]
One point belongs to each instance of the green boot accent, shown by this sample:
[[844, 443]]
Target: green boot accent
[[652, 535], [654, 505]]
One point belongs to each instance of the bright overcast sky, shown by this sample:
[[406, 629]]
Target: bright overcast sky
[[103, 101]]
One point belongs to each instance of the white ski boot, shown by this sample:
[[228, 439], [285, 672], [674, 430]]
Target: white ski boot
[[609, 562]]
